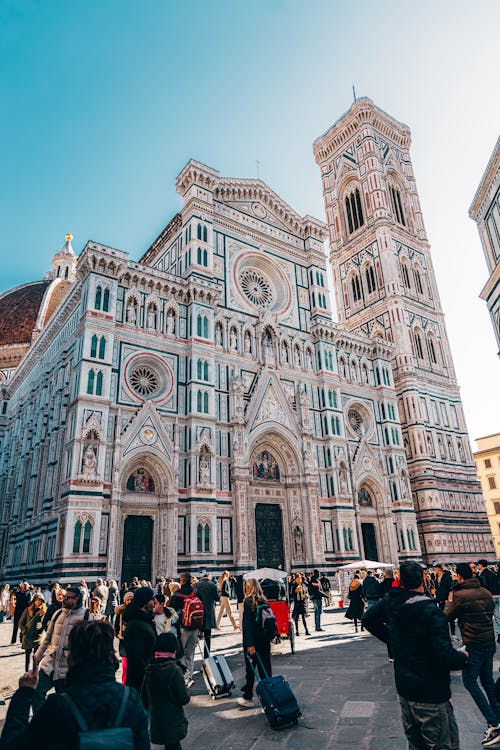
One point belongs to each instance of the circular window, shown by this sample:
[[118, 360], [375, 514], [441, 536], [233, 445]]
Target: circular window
[[256, 287], [144, 381], [356, 421]]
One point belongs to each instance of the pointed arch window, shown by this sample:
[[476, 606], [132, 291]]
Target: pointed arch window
[[99, 383], [76, 537], [203, 537], [205, 258], [87, 531], [198, 233], [406, 276], [199, 326], [418, 345], [354, 211], [102, 347], [418, 281], [105, 301], [90, 381], [93, 346], [205, 371], [356, 288], [199, 256], [199, 369], [199, 402], [432, 351], [205, 402], [205, 327], [397, 206], [370, 279], [98, 298], [205, 234]]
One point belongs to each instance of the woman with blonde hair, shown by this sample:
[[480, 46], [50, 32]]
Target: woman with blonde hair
[[30, 626], [119, 627], [256, 641], [225, 606]]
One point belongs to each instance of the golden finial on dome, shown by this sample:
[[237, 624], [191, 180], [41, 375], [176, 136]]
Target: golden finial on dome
[[69, 237]]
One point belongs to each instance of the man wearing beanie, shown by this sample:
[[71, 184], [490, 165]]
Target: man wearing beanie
[[52, 654], [419, 635], [139, 637], [472, 605], [166, 694]]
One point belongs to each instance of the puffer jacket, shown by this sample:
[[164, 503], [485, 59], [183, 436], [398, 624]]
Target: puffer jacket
[[31, 628], [97, 694], [139, 640], [473, 606], [52, 654], [419, 635], [166, 694]]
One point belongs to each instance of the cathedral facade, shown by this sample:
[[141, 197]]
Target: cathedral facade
[[199, 409]]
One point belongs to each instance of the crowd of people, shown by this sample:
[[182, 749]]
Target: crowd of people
[[68, 636]]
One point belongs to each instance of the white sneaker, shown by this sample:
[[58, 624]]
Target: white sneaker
[[244, 703], [491, 737]]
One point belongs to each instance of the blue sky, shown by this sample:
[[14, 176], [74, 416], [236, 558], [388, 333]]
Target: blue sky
[[102, 103]]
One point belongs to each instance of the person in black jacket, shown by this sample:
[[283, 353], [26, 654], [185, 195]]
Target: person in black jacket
[[256, 643], [423, 657], [489, 580], [91, 685], [139, 637], [444, 583], [207, 591], [23, 598]]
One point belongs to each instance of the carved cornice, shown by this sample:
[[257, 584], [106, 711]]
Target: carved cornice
[[362, 112], [353, 342], [196, 173], [173, 227]]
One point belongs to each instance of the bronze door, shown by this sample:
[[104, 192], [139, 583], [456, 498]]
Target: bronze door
[[269, 536], [137, 548], [369, 541]]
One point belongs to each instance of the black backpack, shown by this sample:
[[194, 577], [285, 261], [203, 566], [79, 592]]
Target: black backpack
[[112, 738]]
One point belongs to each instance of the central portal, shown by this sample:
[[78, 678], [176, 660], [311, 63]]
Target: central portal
[[269, 536], [369, 541], [137, 548]]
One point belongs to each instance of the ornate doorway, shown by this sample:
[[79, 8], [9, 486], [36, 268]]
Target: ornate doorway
[[269, 536], [369, 541], [137, 548]]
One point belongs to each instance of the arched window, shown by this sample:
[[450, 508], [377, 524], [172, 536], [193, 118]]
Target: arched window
[[418, 281], [432, 350], [90, 381], [203, 537], [87, 530], [93, 346], [98, 386], [198, 259], [364, 373], [205, 402], [199, 406], [205, 371], [102, 347], [76, 537], [198, 233], [354, 212], [205, 327], [199, 324], [105, 301], [98, 298], [370, 279], [397, 206], [205, 258], [418, 345], [349, 538], [205, 234], [356, 288], [66, 272], [406, 276]]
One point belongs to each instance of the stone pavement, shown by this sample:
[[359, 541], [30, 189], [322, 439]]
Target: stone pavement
[[343, 682]]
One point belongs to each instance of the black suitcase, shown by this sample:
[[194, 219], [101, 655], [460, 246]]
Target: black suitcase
[[217, 675], [277, 699]]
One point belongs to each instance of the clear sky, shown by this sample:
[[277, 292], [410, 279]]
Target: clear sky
[[102, 103]]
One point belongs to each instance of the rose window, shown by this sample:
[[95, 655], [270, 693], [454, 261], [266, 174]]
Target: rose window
[[356, 421], [145, 381], [256, 287]]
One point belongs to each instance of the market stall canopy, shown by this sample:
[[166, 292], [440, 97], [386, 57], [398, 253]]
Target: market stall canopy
[[367, 564], [272, 574]]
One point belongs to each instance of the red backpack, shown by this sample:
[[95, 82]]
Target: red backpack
[[192, 612]]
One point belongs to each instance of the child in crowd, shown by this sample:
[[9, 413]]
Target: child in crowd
[[166, 695]]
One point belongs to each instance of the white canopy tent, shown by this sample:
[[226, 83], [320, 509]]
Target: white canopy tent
[[366, 565]]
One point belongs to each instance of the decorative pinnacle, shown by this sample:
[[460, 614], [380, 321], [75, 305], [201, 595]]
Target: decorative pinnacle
[[69, 237]]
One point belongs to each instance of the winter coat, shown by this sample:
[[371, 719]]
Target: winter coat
[[443, 588], [177, 600], [4, 600], [139, 641], [419, 635], [472, 606], [52, 654], [206, 590], [356, 604], [97, 695], [49, 613], [489, 581], [112, 601], [315, 590], [371, 588], [31, 629], [120, 625], [166, 694], [225, 589], [253, 632], [23, 598], [298, 594]]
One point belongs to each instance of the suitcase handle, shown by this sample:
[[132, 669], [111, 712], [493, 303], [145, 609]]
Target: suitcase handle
[[266, 676]]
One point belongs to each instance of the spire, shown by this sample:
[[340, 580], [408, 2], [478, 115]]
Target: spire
[[64, 262]]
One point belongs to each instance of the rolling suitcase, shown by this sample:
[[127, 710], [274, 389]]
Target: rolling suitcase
[[217, 675], [276, 698]]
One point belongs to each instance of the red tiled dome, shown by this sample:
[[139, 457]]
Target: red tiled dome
[[19, 310]]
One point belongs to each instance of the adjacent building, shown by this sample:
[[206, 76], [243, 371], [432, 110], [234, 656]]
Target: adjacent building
[[200, 408], [487, 460], [485, 210]]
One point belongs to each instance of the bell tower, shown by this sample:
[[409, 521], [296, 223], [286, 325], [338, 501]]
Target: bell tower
[[385, 288]]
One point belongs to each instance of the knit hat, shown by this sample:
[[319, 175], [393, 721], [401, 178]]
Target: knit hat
[[143, 595], [167, 642]]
